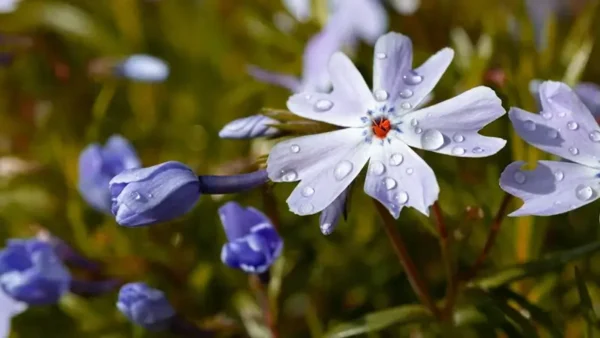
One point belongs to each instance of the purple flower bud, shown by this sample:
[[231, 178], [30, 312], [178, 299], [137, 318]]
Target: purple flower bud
[[143, 68], [155, 194], [249, 127], [31, 272], [145, 306], [253, 241], [331, 214], [98, 165]]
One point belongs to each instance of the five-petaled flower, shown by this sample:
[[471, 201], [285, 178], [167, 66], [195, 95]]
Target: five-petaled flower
[[253, 241], [380, 126], [566, 128]]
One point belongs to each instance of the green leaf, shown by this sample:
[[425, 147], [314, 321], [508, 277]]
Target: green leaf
[[586, 303], [545, 265], [375, 321], [251, 315]]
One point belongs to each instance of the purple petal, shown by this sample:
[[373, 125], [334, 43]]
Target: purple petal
[[8, 308], [330, 215], [398, 177], [93, 181], [120, 155], [564, 128], [249, 127], [367, 19], [349, 101], [393, 75], [317, 53], [326, 163], [237, 221], [281, 80], [589, 94], [552, 188], [300, 9], [451, 127]]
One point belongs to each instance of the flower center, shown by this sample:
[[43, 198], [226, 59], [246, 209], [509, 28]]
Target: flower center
[[381, 126]]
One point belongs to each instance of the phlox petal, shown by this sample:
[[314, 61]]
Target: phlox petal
[[551, 188], [281, 80], [331, 215]]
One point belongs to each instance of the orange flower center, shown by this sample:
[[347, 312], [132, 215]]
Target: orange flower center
[[381, 127]]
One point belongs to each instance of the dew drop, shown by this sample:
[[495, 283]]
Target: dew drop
[[412, 78], [405, 105], [149, 195], [458, 138], [529, 125], [289, 175], [136, 195], [342, 170], [595, 136], [295, 148], [574, 150], [559, 175], [458, 151], [418, 130], [547, 115], [308, 191], [552, 133], [572, 125], [308, 97], [477, 150], [377, 168], [381, 56], [323, 105], [584, 192], [414, 122], [390, 183], [519, 177], [381, 95], [562, 114], [402, 197], [410, 171], [406, 93], [432, 139], [306, 208], [396, 159]]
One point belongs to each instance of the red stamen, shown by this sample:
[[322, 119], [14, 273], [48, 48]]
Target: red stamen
[[381, 127]]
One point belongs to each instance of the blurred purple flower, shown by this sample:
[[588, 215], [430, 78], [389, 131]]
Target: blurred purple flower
[[31, 272], [143, 68], [253, 241], [155, 194], [145, 306], [249, 127], [98, 165], [566, 128], [380, 126], [9, 308]]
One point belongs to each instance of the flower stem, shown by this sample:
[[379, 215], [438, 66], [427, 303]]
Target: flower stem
[[408, 265], [270, 206], [261, 290], [229, 184], [491, 239], [447, 258]]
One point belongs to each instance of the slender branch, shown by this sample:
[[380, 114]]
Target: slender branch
[[263, 298], [451, 288], [491, 239], [270, 206], [408, 265]]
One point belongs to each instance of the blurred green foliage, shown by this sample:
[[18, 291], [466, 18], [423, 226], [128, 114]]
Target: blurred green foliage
[[52, 106]]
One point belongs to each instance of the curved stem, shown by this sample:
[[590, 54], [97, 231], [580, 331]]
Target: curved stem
[[447, 258], [408, 265]]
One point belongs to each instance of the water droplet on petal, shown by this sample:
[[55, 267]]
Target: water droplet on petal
[[519, 177], [574, 150], [136, 195], [289, 175], [552, 133], [477, 150], [402, 197], [306, 208], [326, 229], [572, 125], [418, 130], [149, 195], [562, 114], [529, 125], [342, 170], [308, 97], [559, 175], [458, 138], [432, 139], [381, 56], [323, 105], [381, 95], [295, 148], [396, 159], [377, 168], [410, 171], [414, 122], [308, 191], [547, 115], [458, 151], [406, 93], [390, 183], [595, 136], [405, 105], [412, 78], [584, 192]]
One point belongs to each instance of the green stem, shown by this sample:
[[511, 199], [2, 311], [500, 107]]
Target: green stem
[[447, 258], [100, 107], [408, 265]]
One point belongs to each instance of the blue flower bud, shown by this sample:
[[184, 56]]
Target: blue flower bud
[[98, 165], [155, 194], [253, 241], [143, 68], [145, 306], [31, 272], [250, 127], [331, 215]]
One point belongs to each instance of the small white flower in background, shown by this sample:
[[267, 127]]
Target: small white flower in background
[[143, 68], [379, 127], [8, 6], [8, 309]]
